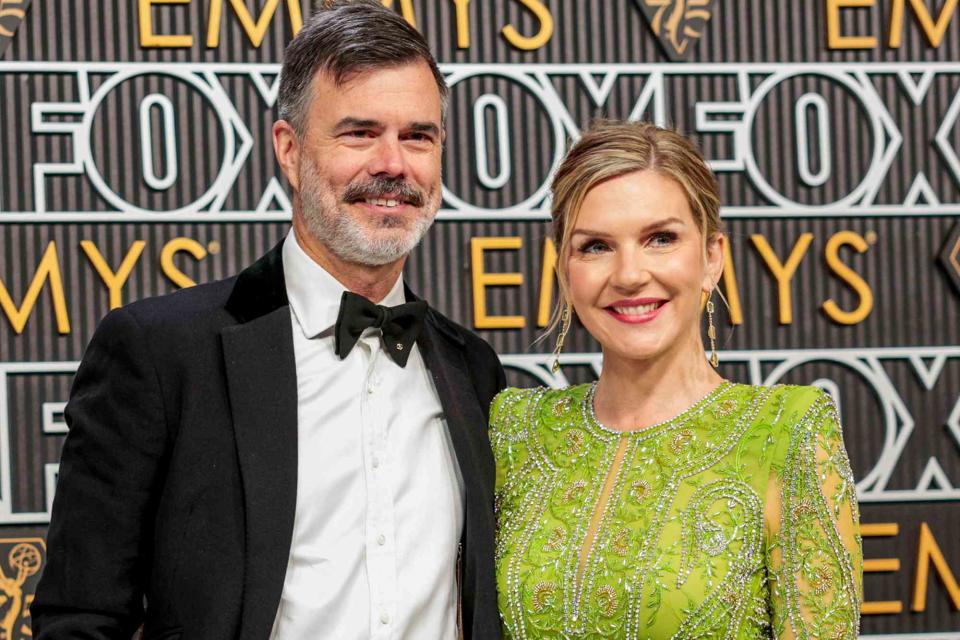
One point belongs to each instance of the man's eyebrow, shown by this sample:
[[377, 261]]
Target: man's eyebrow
[[356, 123]]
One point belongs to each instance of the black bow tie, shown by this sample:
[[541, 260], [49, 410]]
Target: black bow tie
[[399, 325]]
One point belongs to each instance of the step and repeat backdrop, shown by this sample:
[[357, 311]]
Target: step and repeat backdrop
[[135, 159]]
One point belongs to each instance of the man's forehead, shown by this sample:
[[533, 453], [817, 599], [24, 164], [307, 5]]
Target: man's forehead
[[345, 82], [351, 98]]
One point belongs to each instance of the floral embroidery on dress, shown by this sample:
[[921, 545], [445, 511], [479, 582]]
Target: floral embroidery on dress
[[735, 519]]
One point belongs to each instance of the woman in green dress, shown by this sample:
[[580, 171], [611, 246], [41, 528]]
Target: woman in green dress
[[663, 501]]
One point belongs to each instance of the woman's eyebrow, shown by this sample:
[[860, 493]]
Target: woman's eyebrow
[[653, 225]]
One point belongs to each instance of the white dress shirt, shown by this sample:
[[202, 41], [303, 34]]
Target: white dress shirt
[[379, 494]]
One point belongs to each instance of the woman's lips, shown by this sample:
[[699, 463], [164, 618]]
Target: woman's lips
[[636, 311]]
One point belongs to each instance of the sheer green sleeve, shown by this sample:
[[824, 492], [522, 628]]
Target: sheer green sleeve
[[814, 557]]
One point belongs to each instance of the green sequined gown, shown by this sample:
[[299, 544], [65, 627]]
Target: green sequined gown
[[736, 519]]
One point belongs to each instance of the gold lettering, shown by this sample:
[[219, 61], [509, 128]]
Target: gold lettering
[[150, 39], [114, 281], [406, 8], [783, 272], [173, 247], [48, 269], [880, 529], [463, 23], [933, 31], [547, 278], [730, 289], [481, 280], [928, 550], [836, 40], [848, 275], [255, 30], [529, 43]]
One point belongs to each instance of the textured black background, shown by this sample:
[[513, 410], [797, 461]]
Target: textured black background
[[915, 303]]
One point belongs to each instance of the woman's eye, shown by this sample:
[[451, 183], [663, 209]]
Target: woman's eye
[[593, 246], [663, 238]]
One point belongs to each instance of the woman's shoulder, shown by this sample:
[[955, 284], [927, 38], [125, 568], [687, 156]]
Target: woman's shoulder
[[506, 403], [516, 403], [779, 417], [797, 401], [789, 410], [782, 397], [794, 394], [532, 424], [515, 394], [799, 394]]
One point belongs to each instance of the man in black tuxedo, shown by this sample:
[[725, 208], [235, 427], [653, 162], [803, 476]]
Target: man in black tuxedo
[[276, 455]]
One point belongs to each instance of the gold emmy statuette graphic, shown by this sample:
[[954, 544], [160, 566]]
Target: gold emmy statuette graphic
[[678, 24], [12, 13], [23, 560]]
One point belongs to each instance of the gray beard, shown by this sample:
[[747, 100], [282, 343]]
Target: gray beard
[[331, 225]]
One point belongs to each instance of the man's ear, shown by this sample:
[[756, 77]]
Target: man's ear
[[286, 147]]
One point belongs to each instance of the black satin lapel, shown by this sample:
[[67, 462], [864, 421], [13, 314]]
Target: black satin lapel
[[260, 288], [262, 382]]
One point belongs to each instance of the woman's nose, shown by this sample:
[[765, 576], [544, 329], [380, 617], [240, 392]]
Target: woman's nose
[[631, 272]]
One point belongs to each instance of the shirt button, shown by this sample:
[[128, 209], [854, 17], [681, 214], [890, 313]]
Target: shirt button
[[384, 617], [375, 463], [381, 539]]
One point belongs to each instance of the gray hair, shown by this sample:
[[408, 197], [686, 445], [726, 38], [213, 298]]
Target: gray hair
[[343, 38]]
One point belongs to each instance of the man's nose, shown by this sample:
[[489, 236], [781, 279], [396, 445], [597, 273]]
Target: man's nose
[[388, 158]]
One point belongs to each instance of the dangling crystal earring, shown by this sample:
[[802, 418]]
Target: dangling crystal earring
[[564, 328], [712, 333]]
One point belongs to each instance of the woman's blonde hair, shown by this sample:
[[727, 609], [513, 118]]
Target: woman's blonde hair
[[612, 148]]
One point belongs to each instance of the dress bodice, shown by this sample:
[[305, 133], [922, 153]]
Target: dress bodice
[[735, 519]]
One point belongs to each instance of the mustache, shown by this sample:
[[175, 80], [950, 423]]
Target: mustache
[[377, 187]]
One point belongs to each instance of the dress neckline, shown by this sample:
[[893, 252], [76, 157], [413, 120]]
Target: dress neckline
[[591, 415]]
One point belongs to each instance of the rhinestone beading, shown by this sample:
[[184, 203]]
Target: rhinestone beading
[[681, 520]]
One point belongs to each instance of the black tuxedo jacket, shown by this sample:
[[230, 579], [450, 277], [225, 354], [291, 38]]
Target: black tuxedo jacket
[[177, 486]]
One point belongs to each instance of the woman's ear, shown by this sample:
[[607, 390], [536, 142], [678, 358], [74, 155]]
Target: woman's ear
[[714, 252]]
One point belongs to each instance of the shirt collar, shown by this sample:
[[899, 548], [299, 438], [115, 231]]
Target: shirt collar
[[314, 294]]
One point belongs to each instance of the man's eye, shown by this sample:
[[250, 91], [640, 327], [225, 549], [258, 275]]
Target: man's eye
[[425, 138], [359, 133]]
